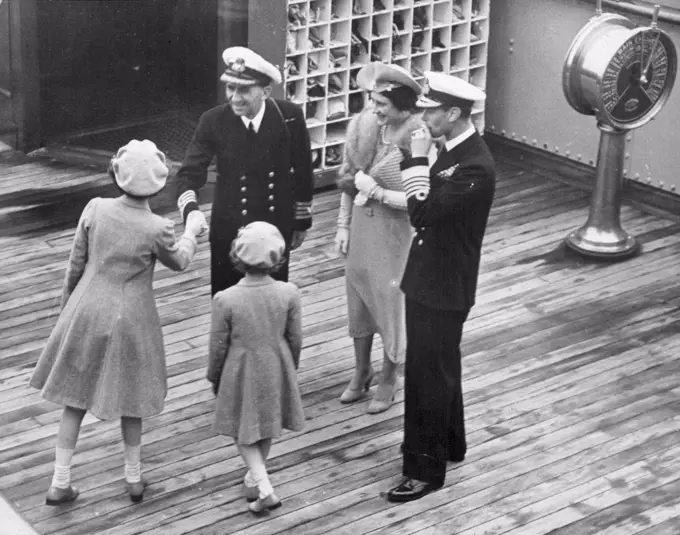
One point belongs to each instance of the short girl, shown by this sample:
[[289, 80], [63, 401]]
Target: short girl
[[255, 346]]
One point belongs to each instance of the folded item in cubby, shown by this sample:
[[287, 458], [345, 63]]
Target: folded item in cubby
[[336, 109]]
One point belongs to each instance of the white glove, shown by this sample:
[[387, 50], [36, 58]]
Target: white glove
[[364, 183], [196, 223], [342, 240]]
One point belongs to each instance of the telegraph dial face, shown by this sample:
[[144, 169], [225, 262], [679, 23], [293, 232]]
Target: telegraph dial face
[[638, 78]]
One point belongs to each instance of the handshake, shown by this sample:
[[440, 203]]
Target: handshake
[[196, 224]]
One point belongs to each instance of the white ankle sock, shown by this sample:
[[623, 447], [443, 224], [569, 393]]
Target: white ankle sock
[[62, 468], [133, 465], [261, 478], [249, 480]]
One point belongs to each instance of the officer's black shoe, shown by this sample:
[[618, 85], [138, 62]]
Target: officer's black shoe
[[409, 490], [455, 457]]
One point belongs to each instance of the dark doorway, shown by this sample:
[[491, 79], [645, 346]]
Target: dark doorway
[[105, 65]]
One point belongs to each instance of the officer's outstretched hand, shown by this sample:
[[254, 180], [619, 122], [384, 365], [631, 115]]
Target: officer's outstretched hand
[[196, 223]]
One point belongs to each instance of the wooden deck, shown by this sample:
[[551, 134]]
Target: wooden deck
[[570, 372]]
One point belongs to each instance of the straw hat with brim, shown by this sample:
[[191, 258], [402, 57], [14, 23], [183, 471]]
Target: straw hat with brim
[[381, 77], [259, 244], [139, 168]]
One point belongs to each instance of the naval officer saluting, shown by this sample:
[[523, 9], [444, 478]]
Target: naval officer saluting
[[264, 166], [449, 195]]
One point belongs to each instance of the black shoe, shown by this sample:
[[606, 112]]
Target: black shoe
[[455, 457], [410, 490]]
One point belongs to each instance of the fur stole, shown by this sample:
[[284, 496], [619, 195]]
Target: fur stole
[[363, 138]]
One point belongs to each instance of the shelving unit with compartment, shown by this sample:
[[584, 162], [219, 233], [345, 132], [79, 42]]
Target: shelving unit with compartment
[[320, 45]]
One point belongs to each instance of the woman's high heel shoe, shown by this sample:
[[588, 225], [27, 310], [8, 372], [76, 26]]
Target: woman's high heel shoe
[[350, 395], [384, 397]]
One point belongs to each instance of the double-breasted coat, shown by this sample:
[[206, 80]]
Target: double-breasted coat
[[449, 204], [266, 176]]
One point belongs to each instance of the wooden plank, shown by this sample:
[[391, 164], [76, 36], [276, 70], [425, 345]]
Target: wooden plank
[[568, 372]]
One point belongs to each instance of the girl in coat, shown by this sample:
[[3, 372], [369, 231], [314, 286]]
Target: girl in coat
[[255, 344], [105, 354]]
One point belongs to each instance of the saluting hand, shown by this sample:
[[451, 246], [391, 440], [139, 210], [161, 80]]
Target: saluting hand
[[421, 141]]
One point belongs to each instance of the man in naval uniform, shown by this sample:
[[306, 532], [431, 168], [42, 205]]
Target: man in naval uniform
[[449, 194], [264, 167]]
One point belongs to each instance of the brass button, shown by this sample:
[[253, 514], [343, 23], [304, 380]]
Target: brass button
[[244, 201], [243, 189], [292, 169], [271, 174], [243, 178], [420, 242], [271, 197], [244, 212], [271, 208], [271, 186]]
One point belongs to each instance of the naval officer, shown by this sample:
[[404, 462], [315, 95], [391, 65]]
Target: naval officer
[[449, 194], [264, 167]]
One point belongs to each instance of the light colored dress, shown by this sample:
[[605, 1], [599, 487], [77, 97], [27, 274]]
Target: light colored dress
[[379, 242], [105, 353], [255, 345]]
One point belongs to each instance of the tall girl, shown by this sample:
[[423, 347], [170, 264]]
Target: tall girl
[[105, 354]]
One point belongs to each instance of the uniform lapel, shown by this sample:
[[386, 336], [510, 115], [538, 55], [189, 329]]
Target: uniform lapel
[[455, 155]]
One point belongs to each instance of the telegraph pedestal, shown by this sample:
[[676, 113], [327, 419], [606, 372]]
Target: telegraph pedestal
[[623, 75], [602, 235]]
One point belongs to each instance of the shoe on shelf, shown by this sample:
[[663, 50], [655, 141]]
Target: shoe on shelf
[[262, 505], [57, 496], [409, 490], [384, 397], [350, 395]]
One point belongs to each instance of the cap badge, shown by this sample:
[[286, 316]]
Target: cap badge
[[237, 65]]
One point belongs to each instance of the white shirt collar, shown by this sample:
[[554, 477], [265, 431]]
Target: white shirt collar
[[451, 143], [257, 120]]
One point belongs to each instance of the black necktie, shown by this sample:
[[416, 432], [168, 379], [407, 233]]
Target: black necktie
[[251, 129]]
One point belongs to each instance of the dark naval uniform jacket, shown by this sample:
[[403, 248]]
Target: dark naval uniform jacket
[[448, 205], [260, 177], [450, 216]]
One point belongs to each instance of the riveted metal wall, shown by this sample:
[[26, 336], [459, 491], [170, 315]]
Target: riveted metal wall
[[528, 42]]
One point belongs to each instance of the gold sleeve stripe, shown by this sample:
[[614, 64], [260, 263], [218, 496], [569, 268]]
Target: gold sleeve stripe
[[416, 181], [184, 199]]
